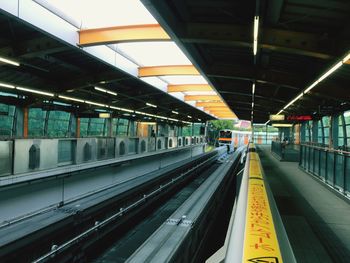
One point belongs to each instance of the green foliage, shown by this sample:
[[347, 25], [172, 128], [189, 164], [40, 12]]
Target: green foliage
[[222, 124]]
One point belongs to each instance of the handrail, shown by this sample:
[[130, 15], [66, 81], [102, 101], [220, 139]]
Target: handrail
[[326, 149], [257, 233]]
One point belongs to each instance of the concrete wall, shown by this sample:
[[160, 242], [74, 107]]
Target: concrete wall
[[5, 157], [48, 154]]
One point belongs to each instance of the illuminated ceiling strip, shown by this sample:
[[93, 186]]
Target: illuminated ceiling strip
[[314, 84], [167, 70], [255, 36], [36, 91], [151, 105], [210, 104], [202, 98], [70, 98], [113, 35], [6, 86], [9, 61], [95, 103], [106, 91], [175, 112], [253, 88], [189, 87]]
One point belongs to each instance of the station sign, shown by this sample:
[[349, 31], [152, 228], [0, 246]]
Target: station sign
[[104, 115], [278, 117], [299, 118]]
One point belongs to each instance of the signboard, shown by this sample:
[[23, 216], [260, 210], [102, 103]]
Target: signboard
[[104, 115], [277, 117], [299, 118]]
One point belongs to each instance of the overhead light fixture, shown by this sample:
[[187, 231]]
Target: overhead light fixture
[[266, 122], [151, 105], [256, 30], [311, 86], [199, 120], [175, 112], [95, 103], [189, 116], [7, 86], [70, 98], [279, 112], [324, 76], [172, 119], [106, 91], [282, 125], [36, 91], [147, 123], [252, 104], [253, 88], [9, 61], [330, 71], [127, 110]]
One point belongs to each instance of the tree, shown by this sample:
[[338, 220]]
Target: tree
[[222, 124]]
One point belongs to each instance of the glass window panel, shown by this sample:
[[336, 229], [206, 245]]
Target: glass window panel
[[36, 122], [7, 113], [84, 124], [96, 127], [347, 117], [122, 128], [58, 124], [187, 130]]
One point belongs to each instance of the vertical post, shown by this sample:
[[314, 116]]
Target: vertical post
[[109, 126], [25, 122], [77, 127]]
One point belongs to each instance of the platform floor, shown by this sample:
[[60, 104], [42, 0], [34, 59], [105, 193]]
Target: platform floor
[[316, 219]]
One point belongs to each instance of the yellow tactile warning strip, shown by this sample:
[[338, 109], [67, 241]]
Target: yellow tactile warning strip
[[260, 241]]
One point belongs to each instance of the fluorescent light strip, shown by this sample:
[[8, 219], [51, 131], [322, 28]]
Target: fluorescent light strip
[[8, 61], [329, 72], [311, 86], [127, 110], [106, 91], [175, 112], [256, 29], [95, 103], [188, 116], [70, 98], [36, 91], [253, 89], [324, 76], [7, 86], [151, 105]]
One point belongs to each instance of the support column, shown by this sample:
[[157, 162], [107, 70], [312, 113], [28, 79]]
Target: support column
[[25, 122], [77, 127]]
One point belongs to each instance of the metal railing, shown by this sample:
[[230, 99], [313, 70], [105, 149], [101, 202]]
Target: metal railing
[[332, 166]]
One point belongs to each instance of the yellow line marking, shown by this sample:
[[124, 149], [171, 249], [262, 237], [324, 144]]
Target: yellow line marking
[[260, 243]]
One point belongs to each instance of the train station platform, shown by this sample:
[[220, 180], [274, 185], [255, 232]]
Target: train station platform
[[316, 219]]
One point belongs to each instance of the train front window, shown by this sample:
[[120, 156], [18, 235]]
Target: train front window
[[225, 134]]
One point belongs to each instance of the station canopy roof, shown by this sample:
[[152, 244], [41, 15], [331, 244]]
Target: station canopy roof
[[185, 60], [300, 64], [107, 55]]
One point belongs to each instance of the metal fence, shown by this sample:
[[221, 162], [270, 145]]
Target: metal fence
[[329, 165]]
